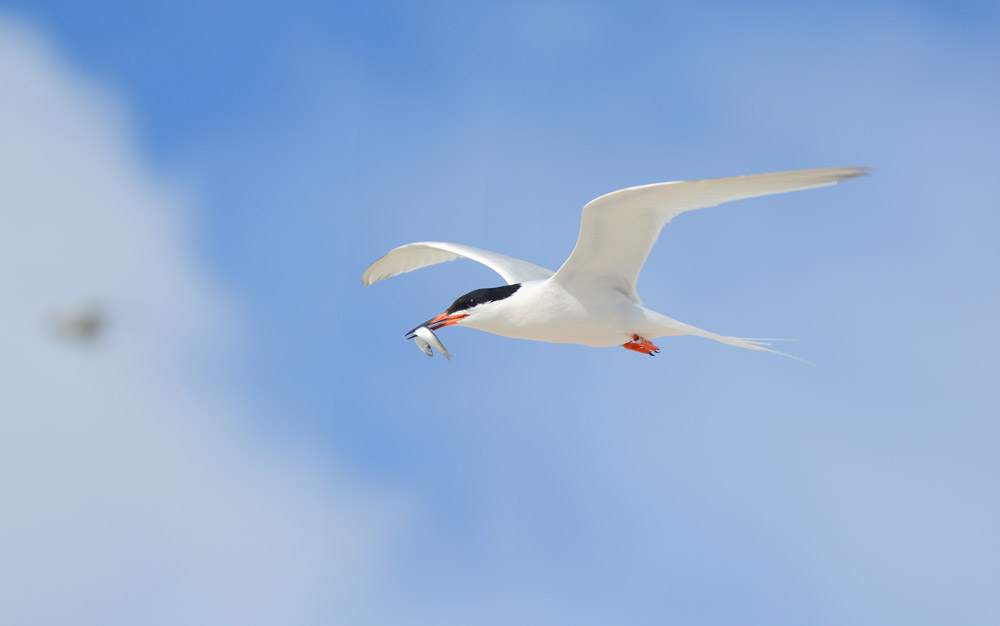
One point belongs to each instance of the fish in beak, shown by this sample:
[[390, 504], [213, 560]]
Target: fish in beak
[[437, 323], [424, 337]]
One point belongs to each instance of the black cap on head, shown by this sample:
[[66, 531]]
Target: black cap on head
[[482, 296]]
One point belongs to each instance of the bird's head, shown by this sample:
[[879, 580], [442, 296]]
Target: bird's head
[[466, 309]]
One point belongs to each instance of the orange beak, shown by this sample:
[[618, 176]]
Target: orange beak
[[445, 320], [439, 322]]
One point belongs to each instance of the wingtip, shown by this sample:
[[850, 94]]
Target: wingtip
[[863, 170], [825, 176], [368, 278], [847, 173]]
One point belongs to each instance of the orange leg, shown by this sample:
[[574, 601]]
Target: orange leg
[[643, 346]]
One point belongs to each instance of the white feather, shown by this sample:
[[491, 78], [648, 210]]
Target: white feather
[[619, 229], [414, 256]]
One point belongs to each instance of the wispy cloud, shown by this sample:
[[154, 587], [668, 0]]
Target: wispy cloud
[[134, 489]]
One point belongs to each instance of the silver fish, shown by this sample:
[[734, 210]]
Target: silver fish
[[423, 345], [428, 338]]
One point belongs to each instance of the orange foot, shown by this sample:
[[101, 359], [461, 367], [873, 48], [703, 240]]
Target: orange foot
[[643, 346]]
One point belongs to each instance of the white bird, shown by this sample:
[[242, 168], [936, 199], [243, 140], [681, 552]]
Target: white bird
[[591, 299]]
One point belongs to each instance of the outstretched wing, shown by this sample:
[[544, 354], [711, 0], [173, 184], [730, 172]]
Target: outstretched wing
[[413, 256], [619, 229]]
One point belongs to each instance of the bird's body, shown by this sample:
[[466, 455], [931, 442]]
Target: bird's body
[[545, 310], [592, 299]]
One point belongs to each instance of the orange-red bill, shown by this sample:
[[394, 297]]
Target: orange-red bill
[[439, 322]]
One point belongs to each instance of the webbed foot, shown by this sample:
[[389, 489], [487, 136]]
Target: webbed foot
[[641, 345]]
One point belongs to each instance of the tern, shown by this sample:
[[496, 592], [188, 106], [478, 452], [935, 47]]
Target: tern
[[592, 298]]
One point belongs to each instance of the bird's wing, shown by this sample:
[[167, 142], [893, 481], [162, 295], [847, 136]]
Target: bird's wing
[[619, 229], [413, 256]]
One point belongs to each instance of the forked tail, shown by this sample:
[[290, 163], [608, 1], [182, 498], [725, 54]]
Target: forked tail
[[752, 344], [669, 326]]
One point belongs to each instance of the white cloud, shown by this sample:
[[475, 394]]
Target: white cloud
[[132, 489]]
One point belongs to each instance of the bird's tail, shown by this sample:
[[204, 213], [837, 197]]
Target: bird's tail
[[670, 326], [761, 345]]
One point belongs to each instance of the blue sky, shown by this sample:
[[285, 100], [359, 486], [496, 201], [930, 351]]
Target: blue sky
[[269, 450]]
